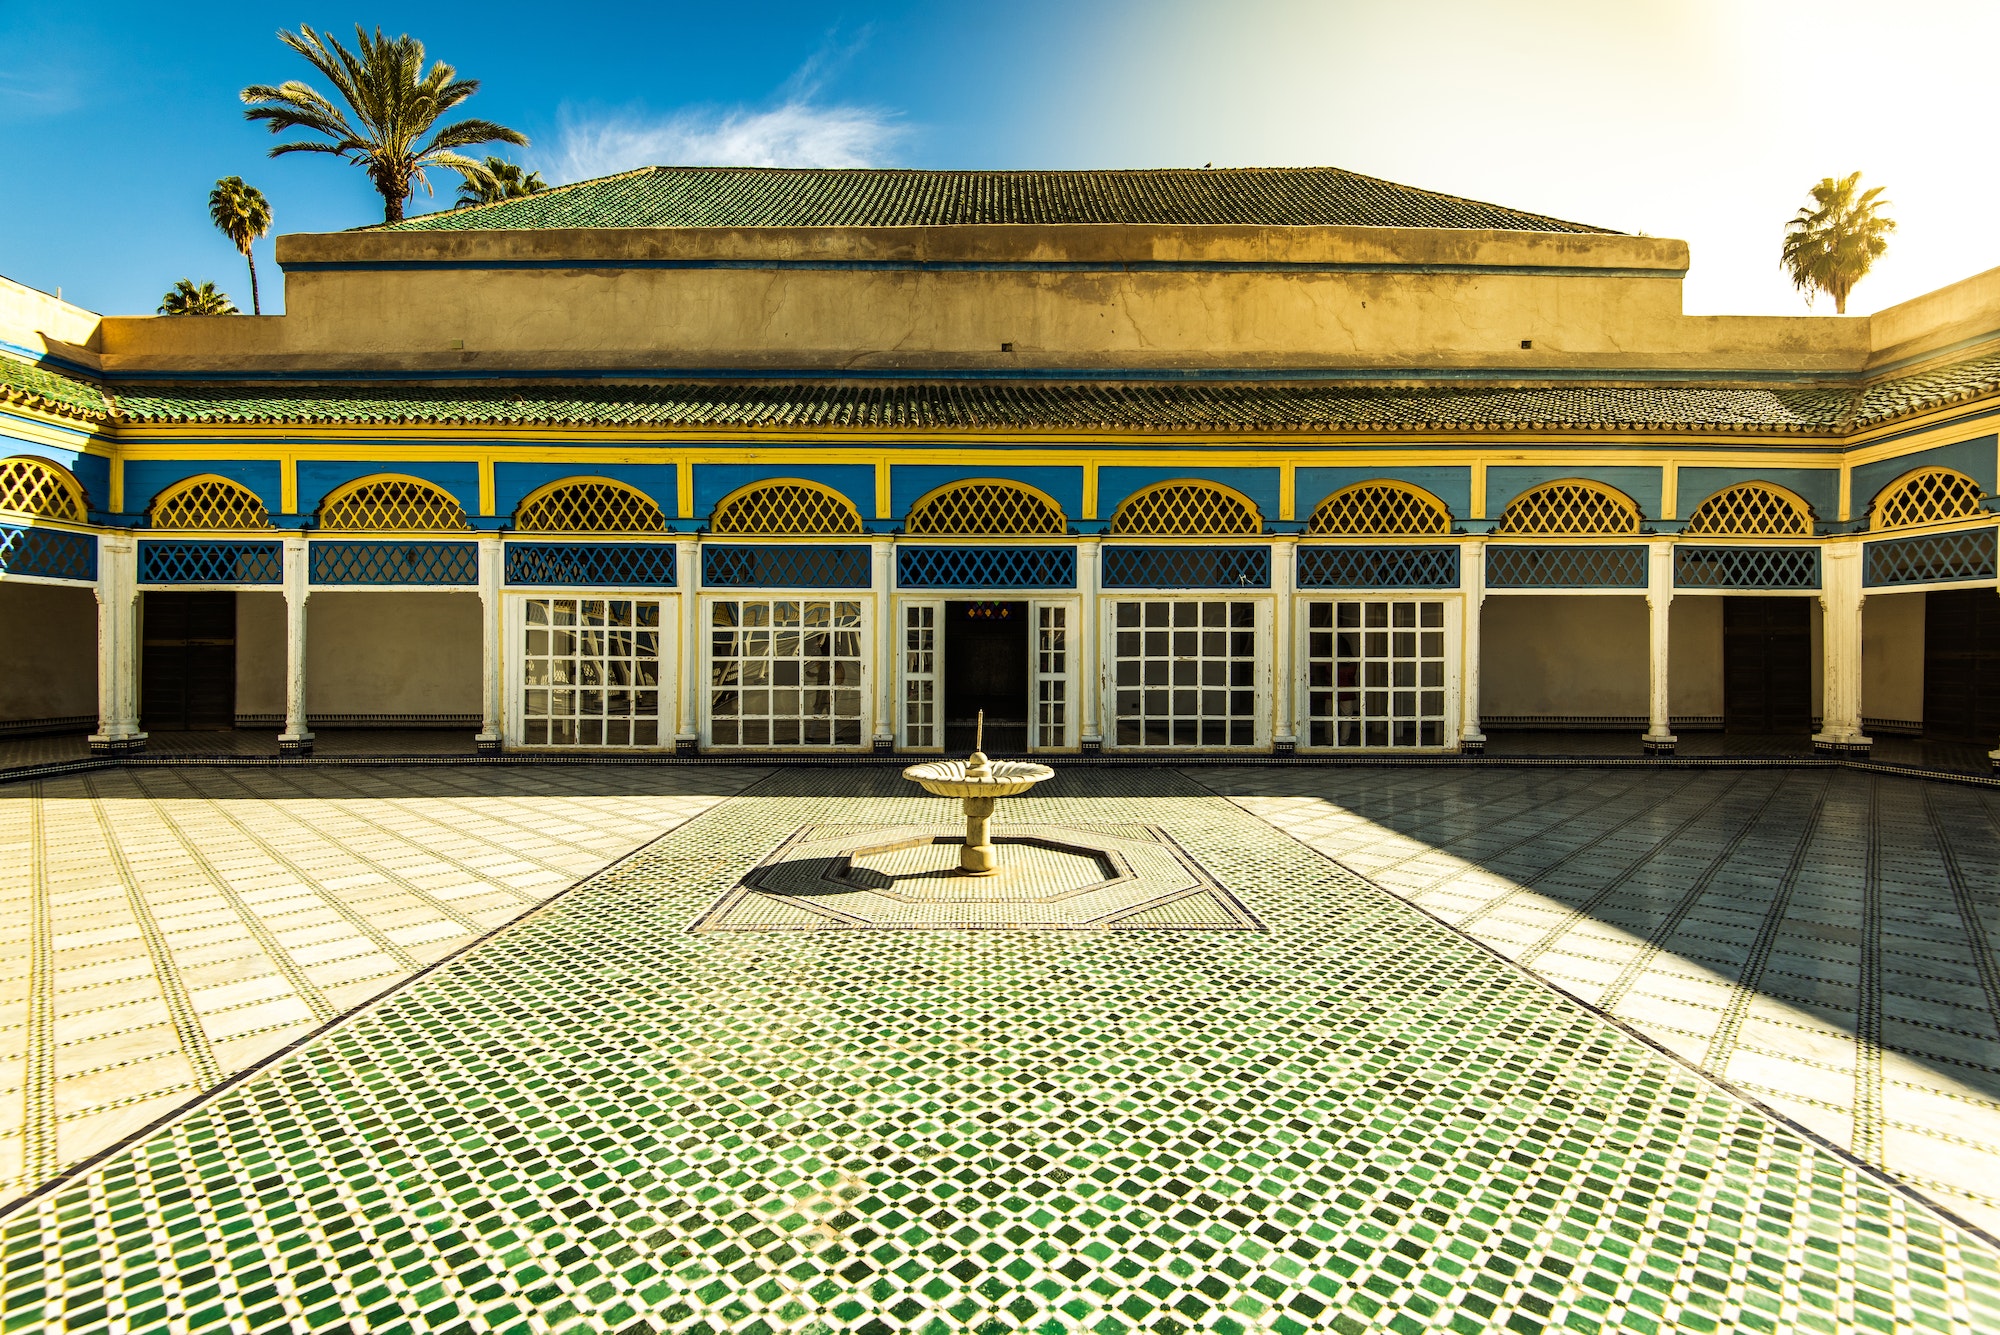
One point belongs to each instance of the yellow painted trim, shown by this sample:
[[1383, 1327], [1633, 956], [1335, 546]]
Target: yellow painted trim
[[345, 489], [884, 496], [117, 498], [1902, 481], [1603, 488], [1786, 493], [762, 484], [173, 489], [1478, 490], [486, 487], [1288, 486], [684, 479], [1034, 491], [1410, 487], [1846, 494], [1670, 490], [1196, 482], [65, 480], [548, 488], [288, 483]]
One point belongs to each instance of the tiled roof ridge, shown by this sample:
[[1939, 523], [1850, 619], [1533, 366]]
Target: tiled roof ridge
[[33, 385], [471, 209]]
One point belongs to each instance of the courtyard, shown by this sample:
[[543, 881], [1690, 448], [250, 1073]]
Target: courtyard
[[337, 1047]]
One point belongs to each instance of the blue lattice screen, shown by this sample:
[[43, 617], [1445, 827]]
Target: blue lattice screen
[[395, 563], [1187, 567], [221, 562], [51, 553], [1565, 567], [1930, 558], [1387, 567], [986, 567], [1746, 567], [783, 566], [621, 565]]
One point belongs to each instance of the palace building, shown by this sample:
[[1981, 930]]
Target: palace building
[[1237, 461]]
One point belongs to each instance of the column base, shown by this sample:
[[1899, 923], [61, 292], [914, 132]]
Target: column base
[[1091, 746], [884, 746], [687, 744], [490, 744], [1851, 744], [117, 743], [295, 743], [1285, 746], [1661, 745], [1472, 744]]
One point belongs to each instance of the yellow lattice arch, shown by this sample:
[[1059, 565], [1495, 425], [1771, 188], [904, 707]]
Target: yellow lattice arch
[[391, 503], [785, 505], [1187, 507], [208, 502], [589, 505], [986, 507], [1382, 508], [31, 486], [1926, 496], [1570, 507], [1751, 510]]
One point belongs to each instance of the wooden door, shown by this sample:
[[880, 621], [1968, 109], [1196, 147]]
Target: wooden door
[[1766, 665], [1962, 666], [188, 682]]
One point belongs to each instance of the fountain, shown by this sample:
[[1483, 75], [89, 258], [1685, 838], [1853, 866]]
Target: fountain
[[979, 782]]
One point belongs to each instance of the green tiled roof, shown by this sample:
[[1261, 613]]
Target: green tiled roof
[[813, 197], [51, 391]]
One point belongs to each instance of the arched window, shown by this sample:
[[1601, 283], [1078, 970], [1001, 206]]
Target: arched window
[[1751, 510], [785, 505], [208, 502], [589, 505], [1570, 508], [1927, 496], [1187, 509], [986, 507], [1380, 509], [31, 486], [391, 504]]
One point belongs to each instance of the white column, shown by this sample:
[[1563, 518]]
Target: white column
[[1284, 569], [687, 569], [888, 640], [297, 738], [1088, 647], [492, 681], [1841, 598], [117, 646], [1659, 737], [1472, 578]]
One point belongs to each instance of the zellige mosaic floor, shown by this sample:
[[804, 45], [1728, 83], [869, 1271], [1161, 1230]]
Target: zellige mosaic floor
[[1825, 940], [598, 1120], [163, 928]]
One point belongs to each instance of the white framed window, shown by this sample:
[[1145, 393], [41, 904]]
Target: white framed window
[[1377, 673], [922, 725], [1052, 689], [785, 672], [592, 672], [1186, 671]]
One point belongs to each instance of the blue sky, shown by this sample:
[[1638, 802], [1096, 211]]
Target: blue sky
[[1702, 119]]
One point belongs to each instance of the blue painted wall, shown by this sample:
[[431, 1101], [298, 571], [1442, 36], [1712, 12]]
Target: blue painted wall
[[1974, 458], [1505, 483], [513, 482], [1259, 484], [321, 476], [909, 482], [1453, 486], [147, 478], [712, 482], [1819, 486]]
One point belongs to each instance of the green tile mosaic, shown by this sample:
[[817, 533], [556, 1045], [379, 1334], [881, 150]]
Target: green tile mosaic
[[1358, 1120]]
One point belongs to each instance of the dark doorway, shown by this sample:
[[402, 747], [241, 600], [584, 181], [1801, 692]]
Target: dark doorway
[[986, 667], [188, 681], [1766, 665], [1962, 666]]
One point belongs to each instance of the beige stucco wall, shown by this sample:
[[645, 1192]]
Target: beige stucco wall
[[260, 653], [392, 653], [43, 323], [48, 652], [1694, 658], [1892, 657], [1555, 655]]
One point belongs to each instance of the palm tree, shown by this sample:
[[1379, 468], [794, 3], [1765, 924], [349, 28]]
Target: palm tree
[[188, 297], [1829, 248], [496, 180], [242, 214], [395, 104]]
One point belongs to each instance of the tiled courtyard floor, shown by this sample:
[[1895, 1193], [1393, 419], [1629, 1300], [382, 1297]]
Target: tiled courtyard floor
[[1822, 939], [162, 929], [1353, 1119]]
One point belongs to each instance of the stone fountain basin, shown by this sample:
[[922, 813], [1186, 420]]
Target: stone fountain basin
[[1003, 778]]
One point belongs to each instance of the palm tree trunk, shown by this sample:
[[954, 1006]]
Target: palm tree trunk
[[256, 308]]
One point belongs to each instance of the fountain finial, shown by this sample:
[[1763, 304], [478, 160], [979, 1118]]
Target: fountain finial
[[978, 765]]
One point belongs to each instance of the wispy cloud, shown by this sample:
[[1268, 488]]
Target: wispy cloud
[[793, 134]]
